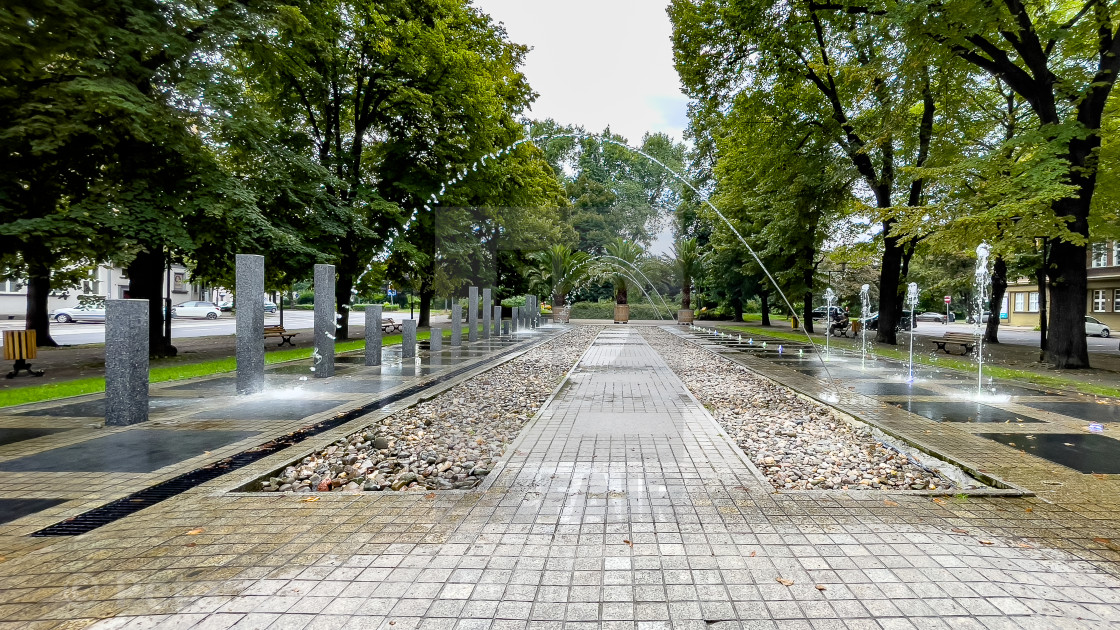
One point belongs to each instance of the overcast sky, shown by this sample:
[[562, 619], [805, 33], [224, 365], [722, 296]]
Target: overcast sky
[[598, 62]]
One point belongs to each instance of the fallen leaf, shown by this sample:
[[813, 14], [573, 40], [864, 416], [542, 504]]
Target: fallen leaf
[[785, 582], [939, 501], [195, 532], [392, 623], [309, 500], [890, 503], [1103, 541], [822, 587], [192, 544], [627, 542], [754, 553], [960, 531], [986, 542], [1025, 546], [1099, 476], [430, 495], [1030, 509]]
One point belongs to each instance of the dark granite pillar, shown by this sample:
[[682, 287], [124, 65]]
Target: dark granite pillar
[[249, 292], [497, 320], [408, 339], [456, 325], [472, 314], [325, 322], [487, 305], [126, 362], [373, 334]]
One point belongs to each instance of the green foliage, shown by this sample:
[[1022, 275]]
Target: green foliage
[[605, 310], [557, 270], [620, 271]]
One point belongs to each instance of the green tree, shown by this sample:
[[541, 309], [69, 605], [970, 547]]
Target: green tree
[[558, 270], [1062, 60], [845, 77], [687, 260], [629, 255]]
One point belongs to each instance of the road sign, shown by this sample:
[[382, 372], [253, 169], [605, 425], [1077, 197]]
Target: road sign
[[391, 293], [948, 299]]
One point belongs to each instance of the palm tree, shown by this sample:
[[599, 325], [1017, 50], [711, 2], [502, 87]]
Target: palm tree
[[558, 270], [686, 254], [630, 252]]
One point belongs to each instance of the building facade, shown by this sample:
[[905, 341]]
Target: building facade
[[109, 282], [1102, 297]]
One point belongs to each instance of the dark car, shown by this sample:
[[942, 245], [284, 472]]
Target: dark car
[[819, 313], [905, 322]]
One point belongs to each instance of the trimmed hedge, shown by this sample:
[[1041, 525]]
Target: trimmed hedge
[[605, 310]]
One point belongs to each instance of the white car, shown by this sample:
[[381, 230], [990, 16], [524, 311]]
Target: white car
[[79, 314], [209, 310], [1095, 327]]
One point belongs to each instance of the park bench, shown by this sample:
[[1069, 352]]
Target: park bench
[[278, 331], [388, 325], [964, 340]]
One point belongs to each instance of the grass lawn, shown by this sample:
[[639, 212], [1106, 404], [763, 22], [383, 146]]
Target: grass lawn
[[159, 374], [953, 363]]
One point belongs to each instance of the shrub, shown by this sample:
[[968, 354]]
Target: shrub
[[605, 310]]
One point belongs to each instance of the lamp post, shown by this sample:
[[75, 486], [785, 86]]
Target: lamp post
[[842, 270]]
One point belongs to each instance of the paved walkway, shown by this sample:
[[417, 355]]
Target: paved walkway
[[622, 506]]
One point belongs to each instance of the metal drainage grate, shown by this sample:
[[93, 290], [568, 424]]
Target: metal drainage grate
[[120, 508]]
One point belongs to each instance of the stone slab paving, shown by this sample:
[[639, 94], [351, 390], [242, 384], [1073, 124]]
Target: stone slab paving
[[623, 505], [60, 455]]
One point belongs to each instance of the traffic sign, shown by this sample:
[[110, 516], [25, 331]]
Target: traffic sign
[[391, 293], [948, 299]]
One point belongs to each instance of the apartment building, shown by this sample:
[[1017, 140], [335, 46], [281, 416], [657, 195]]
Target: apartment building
[[106, 281], [1102, 298]]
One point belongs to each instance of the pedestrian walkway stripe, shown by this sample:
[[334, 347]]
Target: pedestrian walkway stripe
[[132, 503]]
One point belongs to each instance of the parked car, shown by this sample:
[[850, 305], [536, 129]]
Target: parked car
[[79, 314], [269, 307], [930, 316], [209, 310], [819, 312], [226, 306], [904, 323], [1095, 327], [986, 316]]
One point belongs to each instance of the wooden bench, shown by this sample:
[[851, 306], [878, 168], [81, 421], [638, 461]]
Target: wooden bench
[[965, 340], [388, 325], [278, 331]]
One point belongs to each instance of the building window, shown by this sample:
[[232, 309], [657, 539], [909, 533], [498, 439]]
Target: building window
[[10, 285], [1116, 301], [1100, 255], [1019, 306], [1032, 303], [1116, 255], [1099, 303]]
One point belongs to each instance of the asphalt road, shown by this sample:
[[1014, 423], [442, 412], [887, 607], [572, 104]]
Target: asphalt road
[[1014, 335], [77, 333]]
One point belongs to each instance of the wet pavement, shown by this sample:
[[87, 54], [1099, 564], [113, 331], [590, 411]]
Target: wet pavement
[[621, 505]]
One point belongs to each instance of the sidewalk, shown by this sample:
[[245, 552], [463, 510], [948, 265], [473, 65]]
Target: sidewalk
[[623, 505]]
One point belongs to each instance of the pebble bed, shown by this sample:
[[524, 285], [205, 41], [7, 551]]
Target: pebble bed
[[798, 444], [450, 442]]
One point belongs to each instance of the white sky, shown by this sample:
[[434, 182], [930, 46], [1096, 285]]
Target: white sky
[[598, 62]]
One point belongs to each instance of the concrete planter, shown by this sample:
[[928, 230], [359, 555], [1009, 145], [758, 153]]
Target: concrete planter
[[621, 313], [684, 316], [561, 314]]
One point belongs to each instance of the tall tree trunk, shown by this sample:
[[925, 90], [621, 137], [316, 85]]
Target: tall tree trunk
[[889, 280], [999, 289], [807, 313], [1043, 319], [343, 295], [38, 290], [686, 295], [737, 307], [764, 300], [1067, 348], [145, 282], [427, 293]]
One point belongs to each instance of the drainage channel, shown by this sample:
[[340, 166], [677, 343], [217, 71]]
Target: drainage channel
[[130, 504]]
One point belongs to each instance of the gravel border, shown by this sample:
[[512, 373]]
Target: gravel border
[[797, 443], [450, 442]]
